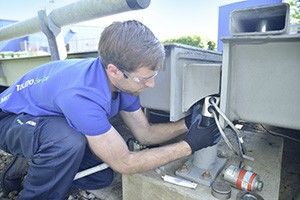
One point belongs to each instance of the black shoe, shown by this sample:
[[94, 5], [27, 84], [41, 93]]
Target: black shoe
[[13, 175]]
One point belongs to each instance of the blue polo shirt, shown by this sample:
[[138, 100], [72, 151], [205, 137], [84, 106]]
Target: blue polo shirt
[[77, 89]]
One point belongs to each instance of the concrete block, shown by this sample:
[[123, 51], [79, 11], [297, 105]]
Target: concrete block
[[113, 192], [265, 149]]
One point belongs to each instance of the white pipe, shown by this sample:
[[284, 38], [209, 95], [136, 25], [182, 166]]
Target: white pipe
[[20, 29], [73, 13], [90, 171]]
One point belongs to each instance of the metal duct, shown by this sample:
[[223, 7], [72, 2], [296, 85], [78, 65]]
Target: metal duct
[[73, 13]]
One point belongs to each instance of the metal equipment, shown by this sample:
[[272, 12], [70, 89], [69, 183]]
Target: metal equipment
[[204, 165], [188, 75], [248, 196], [260, 20], [205, 161], [221, 190], [243, 179], [260, 70]]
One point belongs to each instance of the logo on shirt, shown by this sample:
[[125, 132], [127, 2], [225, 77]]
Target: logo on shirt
[[5, 98], [31, 82]]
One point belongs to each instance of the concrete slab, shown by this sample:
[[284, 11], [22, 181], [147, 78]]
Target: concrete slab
[[113, 192], [266, 149]]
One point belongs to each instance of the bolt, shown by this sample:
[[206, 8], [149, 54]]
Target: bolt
[[206, 175], [184, 168]]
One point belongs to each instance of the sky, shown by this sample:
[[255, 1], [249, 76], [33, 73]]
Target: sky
[[166, 18]]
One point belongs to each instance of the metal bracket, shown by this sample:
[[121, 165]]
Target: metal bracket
[[203, 167], [54, 36]]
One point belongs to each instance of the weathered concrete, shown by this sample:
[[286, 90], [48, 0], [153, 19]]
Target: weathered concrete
[[266, 149], [113, 192]]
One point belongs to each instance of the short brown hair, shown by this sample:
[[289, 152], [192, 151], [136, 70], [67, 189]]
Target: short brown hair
[[130, 45]]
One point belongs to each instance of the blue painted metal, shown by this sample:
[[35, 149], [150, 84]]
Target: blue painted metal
[[5, 22], [12, 45]]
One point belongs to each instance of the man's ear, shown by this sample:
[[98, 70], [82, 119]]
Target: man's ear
[[113, 71]]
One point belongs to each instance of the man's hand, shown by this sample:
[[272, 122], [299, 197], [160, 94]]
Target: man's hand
[[199, 137], [195, 113]]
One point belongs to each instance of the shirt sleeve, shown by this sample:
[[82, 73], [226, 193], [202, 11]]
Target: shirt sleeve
[[130, 103], [83, 113]]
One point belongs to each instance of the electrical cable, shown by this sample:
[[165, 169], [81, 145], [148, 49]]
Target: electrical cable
[[240, 140], [279, 134], [237, 133], [223, 134]]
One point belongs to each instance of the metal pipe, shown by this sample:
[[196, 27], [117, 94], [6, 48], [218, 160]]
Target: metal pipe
[[90, 171], [20, 29], [73, 13]]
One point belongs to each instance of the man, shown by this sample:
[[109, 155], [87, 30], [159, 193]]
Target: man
[[57, 117]]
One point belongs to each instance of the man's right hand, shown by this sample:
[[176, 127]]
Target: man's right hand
[[199, 137], [195, 112]]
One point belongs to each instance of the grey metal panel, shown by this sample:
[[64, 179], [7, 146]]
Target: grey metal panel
[[159, 96], [261, 79], [167, 94], [199, 81]]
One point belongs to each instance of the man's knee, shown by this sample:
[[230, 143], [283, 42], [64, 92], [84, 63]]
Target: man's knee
[[75, 144]]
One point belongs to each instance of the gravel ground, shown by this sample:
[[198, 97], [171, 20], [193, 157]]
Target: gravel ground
[[5, 158]]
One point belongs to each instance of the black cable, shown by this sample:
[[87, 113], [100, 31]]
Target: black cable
[[279, 134]]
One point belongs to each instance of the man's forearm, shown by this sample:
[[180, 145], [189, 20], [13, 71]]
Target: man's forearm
[[158, 133], [149, 159]]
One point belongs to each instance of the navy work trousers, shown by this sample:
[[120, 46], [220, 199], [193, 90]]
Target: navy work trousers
[[56, 152]]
